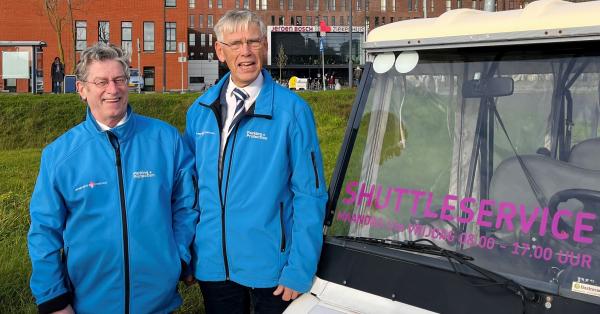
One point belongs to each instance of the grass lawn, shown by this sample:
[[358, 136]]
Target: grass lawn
[[29, 122]]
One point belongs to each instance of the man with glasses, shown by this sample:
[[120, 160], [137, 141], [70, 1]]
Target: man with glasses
[[113, 210], [260, 180]]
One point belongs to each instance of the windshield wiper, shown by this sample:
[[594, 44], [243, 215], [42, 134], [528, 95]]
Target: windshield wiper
[[426, 246], [416, 246]]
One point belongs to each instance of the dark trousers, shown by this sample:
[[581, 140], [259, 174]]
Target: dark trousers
[[56, 87], [228, 297]]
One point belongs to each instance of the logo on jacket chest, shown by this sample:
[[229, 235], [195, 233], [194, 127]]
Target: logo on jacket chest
[[90, 185], [143, 174], [257, 135]]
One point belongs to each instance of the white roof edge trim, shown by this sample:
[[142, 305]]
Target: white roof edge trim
[[540, 15]]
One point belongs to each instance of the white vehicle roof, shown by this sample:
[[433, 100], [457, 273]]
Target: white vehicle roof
[[543, 20]]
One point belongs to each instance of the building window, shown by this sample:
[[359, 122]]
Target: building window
[[358, 5], [126, 42], [383, 5], [410, 5], [210, 4], [458, 4], [432, 5], [307, 5], [211, 56], [474, 4], [316, 5], [298, 20], [219, 4], [148, 36], [203, 40], [170, 3], [280, 4], [191, 21], [209, 21], [376, 21], [210, 40], [325, 20], [81, 33], [200, 21], [281, 20], [290, 4], [103, 31], [149, 79], [392, 19], [342, 21], [192, 39], [257, 4], [272, 19], [292, 21], [247, 4], [192, 3], [170, 36], [264, 4], [343, 5], [448, 5], [237, 4], [393, 5], [333, 20], [333, 4], [309, 20], [382, 20]]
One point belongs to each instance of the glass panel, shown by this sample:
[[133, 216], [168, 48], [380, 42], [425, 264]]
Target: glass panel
[[491, 152]]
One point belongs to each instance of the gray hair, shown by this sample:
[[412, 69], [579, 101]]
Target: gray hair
[[101, 52], [238, 19]]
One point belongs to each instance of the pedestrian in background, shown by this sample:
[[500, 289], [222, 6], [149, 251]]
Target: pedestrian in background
[[58, 75]]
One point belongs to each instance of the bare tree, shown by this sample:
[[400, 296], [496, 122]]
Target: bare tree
[[282, 59], [57, 22]]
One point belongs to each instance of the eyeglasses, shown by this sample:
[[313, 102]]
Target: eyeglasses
[[254, 44], [102, 83]]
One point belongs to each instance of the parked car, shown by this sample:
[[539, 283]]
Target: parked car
[[136, 80], [468, 180]]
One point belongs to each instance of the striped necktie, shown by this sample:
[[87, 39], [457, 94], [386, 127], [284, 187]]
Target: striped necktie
[[240, 98]]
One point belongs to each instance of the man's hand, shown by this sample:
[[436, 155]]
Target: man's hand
[[66, 310], [189, 280], [286, 293]]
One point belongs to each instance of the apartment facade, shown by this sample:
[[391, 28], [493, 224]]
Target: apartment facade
[[153, 30]]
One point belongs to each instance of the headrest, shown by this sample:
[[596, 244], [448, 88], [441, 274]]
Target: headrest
[[586, 154]]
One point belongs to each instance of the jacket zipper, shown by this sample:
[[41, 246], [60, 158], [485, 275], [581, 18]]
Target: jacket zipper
[[220, 179], [282, 227], [314, 164], [114, 141]]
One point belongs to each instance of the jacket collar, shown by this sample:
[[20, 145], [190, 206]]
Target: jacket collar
[[262, 107], [123, 132]]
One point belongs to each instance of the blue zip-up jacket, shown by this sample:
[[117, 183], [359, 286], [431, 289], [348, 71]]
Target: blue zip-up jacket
[[261, 222], [111, 223]]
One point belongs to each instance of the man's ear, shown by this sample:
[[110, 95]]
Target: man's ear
[[81, 90], [219, 51]]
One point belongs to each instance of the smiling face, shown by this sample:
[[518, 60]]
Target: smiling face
[[107, 104], [245, 64]]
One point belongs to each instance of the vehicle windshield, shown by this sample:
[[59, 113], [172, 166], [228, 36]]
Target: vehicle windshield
[[491, 152], [134, 72]]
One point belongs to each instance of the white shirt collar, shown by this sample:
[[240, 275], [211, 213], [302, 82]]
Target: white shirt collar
[[252, 90], [105, 127]]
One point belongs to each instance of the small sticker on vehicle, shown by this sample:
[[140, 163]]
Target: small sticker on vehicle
[[586, 288]]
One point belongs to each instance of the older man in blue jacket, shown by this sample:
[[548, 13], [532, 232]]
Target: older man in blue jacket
[[113, 211], [260, 177]]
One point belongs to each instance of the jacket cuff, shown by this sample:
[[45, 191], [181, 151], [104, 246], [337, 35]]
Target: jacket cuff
[[56, 304]]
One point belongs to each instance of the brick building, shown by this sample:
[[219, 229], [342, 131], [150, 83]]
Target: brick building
[[152, 29]]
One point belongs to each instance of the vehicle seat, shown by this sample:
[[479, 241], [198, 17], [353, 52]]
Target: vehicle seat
[[509, 183], [586, 154]]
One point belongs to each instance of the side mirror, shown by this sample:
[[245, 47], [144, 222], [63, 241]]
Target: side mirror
[[491, 87]]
